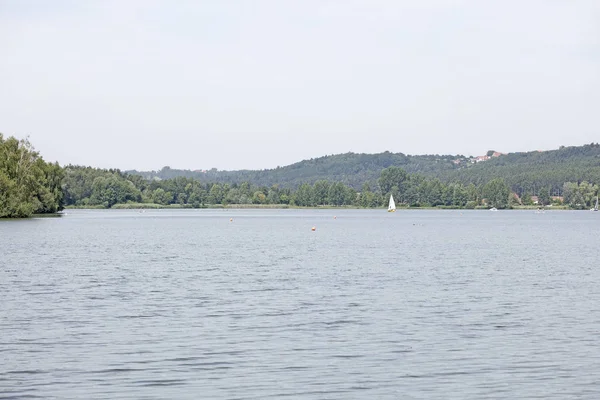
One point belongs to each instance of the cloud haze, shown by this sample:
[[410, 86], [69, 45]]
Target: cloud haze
[[256, 84]]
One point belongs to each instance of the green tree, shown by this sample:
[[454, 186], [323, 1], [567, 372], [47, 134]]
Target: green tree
[[459, 195], [526, 199], [472, 193], [246, 190], [496, 193], [544, 196], [320, 192], [336, 195], [366, 197], [390, 177], [216, 194], [273, 196], [304, 196], [27, 183], [412, 195], [233, 196], [259, 197], [161, 197]]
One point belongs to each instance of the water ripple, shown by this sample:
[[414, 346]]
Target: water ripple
[[183, 304]]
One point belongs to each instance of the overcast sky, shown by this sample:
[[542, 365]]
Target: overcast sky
[[257, 84]]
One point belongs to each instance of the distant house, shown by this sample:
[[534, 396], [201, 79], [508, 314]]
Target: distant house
[[516, 197], [535, 199], [497, 154], [481, 158]]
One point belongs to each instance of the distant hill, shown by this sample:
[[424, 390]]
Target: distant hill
[[529, 172], [351, 169], [525, 172]]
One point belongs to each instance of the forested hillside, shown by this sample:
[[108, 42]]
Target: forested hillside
[[28, 184], [567, 176], [85, 187], [350, 169], [525, 173], [536, 171]]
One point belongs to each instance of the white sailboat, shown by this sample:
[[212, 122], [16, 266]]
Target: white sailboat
[[596, 206], [392, 205]]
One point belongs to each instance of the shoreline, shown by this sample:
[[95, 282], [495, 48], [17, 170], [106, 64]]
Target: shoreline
[[152, 206]]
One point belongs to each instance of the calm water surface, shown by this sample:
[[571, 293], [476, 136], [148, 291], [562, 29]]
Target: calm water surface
[[187, 304]]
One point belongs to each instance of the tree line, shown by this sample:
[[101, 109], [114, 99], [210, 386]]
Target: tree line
[[526, 173], [30, 185], [86, 186], [536, 172]]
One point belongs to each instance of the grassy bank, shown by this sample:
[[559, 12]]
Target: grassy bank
[[137, 206]]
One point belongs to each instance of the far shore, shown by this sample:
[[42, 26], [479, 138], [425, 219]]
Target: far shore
[[138, 206]]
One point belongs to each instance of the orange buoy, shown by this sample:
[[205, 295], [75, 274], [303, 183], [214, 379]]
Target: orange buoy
[[313, 229]]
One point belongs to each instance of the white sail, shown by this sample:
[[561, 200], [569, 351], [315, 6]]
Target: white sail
[[392, 206]]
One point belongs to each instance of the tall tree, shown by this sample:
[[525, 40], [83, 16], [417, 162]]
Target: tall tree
[[496, 192], [27, 183], [390, 177]]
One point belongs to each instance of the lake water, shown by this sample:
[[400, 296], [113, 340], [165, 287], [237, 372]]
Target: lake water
[[186, 304]]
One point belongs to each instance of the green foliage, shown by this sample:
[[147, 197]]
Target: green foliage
[[523, 172], [544, 196], [320, 192], [496, 193], [85, 186], [159, 196], [526, 174], [532, 172], [392, 177], [304, 196], [351, 169], [579, 196], [470, 205], [28, 184], [217, 193], [259, 198]]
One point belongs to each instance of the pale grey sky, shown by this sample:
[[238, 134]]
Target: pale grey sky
[[256, 84]]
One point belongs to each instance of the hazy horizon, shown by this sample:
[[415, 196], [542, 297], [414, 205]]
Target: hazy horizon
[[260, 84]]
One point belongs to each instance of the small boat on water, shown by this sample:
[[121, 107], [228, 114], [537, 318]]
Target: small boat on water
[[392, 205], [493, 209]]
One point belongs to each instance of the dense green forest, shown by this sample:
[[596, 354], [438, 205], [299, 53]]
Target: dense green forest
[[28, 184], [566, 176], [536, 172], [85, 186], [529, 173], [350, 169]]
